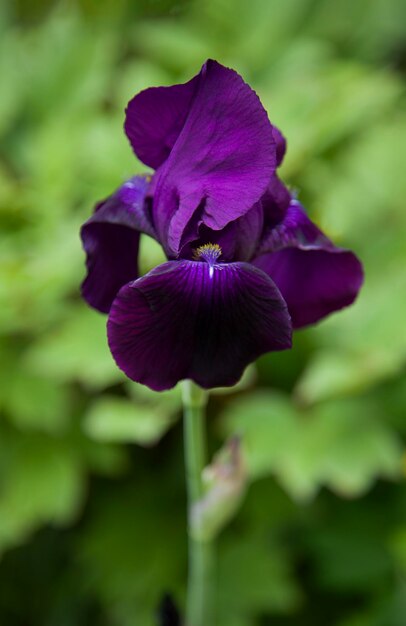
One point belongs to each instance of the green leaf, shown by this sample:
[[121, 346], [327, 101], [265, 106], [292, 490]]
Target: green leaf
[[341, 444], [267, 424], [33, 402], [77, 350], [335, 373], [42, 482], [254, 578], [136, 524], [112, 419]]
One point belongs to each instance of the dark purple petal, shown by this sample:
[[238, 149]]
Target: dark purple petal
[[275, 203], [295, 229], [154, 119], [192, 319], [238, 240], [314, 276], [280, 145], [221, 162], [110, 239]]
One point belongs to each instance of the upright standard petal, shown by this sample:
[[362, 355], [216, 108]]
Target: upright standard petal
[[221, 162], [314, 276], [110, 239], [194, 319], [154, 119]]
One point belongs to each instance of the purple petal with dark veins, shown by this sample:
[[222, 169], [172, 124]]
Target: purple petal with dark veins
[[110, 239], [314, 276], [221, 162], [192, 319]]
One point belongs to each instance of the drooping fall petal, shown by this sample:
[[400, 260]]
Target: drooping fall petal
[[197, 320], [111, 238], [314, 276]]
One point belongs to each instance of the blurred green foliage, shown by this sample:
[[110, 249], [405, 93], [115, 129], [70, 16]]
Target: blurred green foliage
[[92, 529]]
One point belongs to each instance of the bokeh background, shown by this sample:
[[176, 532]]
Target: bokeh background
[[92, 498]]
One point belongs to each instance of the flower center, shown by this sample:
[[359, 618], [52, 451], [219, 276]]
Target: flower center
[[209, 252]]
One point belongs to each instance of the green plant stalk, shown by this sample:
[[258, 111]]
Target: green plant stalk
[[199, 607]]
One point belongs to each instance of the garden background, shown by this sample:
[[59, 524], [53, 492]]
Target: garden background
[[92, 496]]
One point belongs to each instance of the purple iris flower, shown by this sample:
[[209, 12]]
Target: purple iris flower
[[245, 263]]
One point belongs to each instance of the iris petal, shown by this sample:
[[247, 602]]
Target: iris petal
[[221, 162], [154, 119], [275, 203], [190, 319], [314, 276], [280, 145], [238, 240], [111, 238]]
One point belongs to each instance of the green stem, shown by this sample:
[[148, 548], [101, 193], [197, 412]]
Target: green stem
[[199, 607]]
